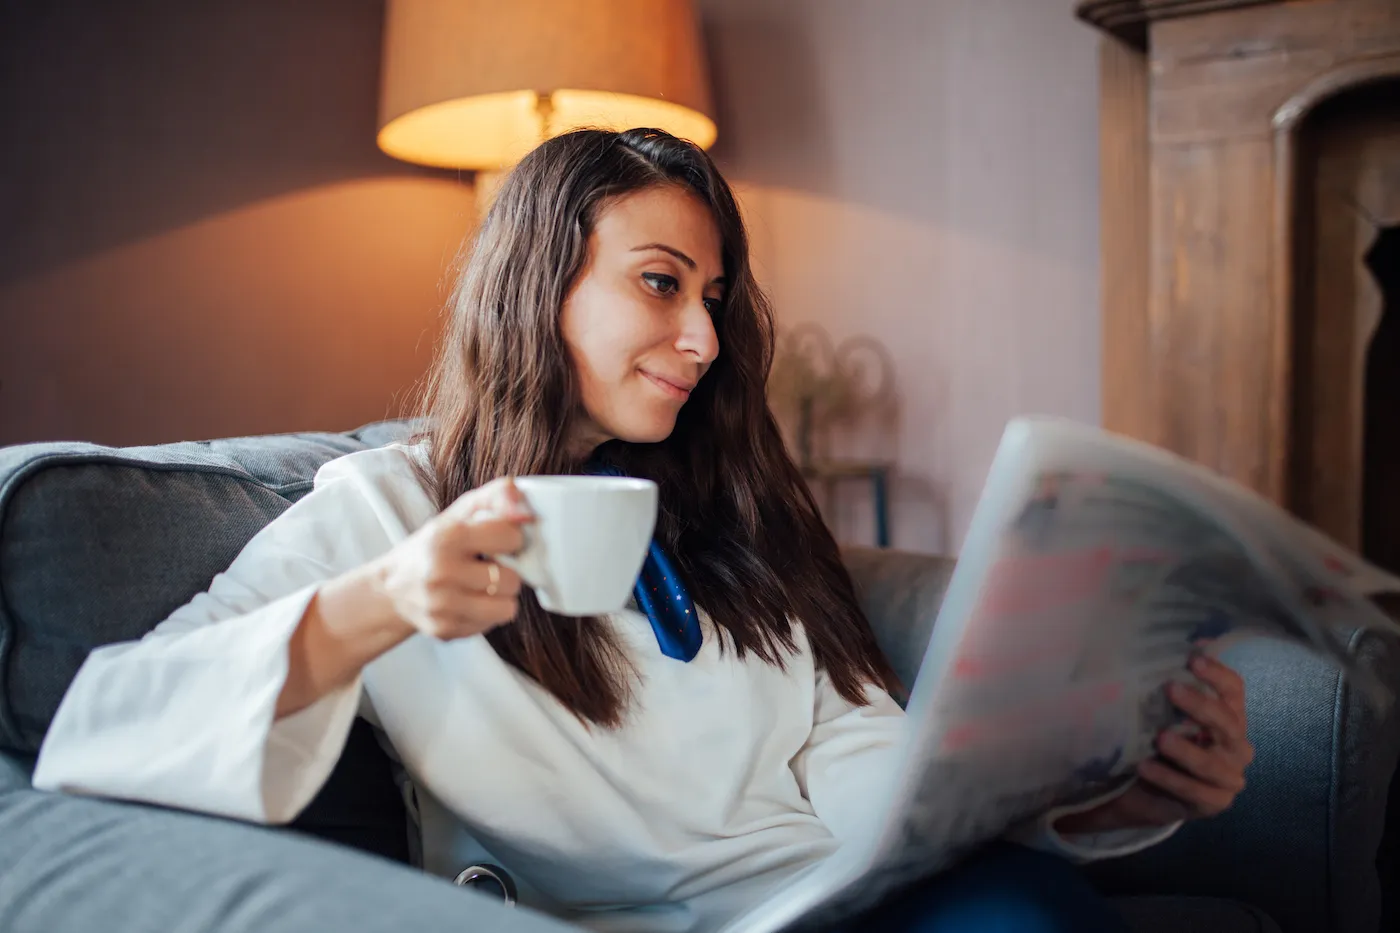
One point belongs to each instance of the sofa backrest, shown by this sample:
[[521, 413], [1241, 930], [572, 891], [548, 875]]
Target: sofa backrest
[[99, 544]]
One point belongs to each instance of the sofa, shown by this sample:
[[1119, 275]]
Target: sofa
[[98, 544]]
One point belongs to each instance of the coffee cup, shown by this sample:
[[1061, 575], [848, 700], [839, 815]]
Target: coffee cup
[[588, 542]]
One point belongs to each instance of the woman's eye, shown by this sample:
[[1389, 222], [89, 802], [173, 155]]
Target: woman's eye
[[713, 305], [665, 284]]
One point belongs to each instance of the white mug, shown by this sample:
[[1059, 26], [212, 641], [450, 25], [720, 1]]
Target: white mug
[[588, 542]]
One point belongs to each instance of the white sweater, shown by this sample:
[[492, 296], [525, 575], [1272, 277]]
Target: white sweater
[[728, 776]]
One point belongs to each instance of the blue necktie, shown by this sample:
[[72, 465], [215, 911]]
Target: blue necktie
[[662, 596]]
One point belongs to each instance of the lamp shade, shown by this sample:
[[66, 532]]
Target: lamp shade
[[476, 84]]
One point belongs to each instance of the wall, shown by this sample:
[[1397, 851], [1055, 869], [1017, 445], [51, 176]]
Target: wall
[[924, 172], [198, 237]]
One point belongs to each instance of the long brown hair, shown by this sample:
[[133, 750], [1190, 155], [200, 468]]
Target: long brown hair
[[735, 515]]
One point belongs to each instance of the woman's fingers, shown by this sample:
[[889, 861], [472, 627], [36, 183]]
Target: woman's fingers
[[1206, 779], [487, 521], [1145, 805], [1228, 684], [469, 540], [1203, 799], [438, 580], [1214, 713], [1188, 780], [498, 499], [492, 579], [471, 614], [1215, 766]]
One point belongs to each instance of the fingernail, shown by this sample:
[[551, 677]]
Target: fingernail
[[1200, 663]]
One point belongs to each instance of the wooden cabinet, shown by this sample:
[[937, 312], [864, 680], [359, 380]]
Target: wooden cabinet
[[1217, 343]]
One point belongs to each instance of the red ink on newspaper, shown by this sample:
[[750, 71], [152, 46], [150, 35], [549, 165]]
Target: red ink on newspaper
[[1035, 612]]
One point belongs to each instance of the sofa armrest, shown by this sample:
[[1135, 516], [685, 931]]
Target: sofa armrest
[[1301, 842], [74, 864]]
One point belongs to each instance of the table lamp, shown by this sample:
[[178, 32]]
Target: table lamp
[[476, 84]]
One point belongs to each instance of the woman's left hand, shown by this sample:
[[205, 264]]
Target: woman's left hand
[[1200, 777]]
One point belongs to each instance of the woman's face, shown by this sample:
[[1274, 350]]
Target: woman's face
[[639, 321]]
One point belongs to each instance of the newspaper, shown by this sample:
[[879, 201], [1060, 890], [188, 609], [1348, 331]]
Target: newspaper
[[1093, 568]]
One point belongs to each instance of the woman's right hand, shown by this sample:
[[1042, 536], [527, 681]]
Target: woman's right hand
[[435, 581], [441, 581]]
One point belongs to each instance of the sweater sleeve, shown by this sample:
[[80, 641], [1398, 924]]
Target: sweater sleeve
[[184, 717], [1088, 847], [846, 765]]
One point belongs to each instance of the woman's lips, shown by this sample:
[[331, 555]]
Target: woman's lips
[[679, 391]]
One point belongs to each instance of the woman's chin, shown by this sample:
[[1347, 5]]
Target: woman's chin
[[652, 431]]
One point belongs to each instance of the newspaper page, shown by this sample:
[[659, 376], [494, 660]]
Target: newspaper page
[[1093, 569]]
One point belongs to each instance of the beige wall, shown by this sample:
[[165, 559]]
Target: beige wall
[[199, 239], [924, 172], [314, 310]]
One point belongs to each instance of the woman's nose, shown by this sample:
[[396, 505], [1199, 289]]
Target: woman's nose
[[697, 337]]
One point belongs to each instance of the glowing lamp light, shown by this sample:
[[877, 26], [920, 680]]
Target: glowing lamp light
[[476, 84]]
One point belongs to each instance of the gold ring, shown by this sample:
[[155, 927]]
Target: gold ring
[[494, 574]]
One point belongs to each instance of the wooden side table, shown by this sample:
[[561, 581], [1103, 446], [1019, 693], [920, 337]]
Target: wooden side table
[[874, 472]]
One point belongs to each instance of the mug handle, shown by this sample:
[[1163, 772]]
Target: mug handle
[[528, 561]]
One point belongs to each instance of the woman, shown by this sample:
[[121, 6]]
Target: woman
[[631, 775]]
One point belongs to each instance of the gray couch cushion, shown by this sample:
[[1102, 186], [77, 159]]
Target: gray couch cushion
[[98, 544], [79, 865], [900, 593]]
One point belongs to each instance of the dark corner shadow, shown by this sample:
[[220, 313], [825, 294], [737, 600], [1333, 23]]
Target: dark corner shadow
[[126, 119], [771, 128]]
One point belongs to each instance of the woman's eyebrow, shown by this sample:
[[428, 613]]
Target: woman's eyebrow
[[689, 263]]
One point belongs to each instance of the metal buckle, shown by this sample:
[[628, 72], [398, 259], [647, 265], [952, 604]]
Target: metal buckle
[[487, 877]]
